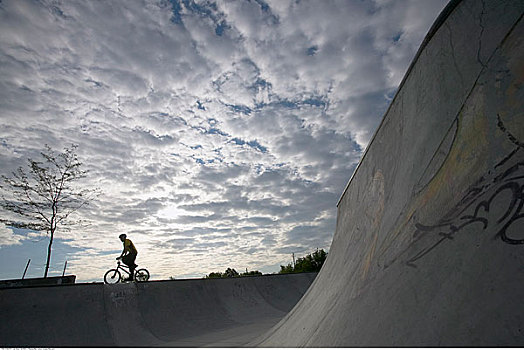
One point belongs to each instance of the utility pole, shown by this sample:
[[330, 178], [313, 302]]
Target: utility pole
[[293, 261], [65, 266], [28, 262]]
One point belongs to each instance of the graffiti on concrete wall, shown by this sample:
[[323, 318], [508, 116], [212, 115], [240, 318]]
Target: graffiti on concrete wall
[[495, 200]]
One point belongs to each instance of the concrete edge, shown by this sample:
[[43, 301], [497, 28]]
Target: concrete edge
[[444, 14]]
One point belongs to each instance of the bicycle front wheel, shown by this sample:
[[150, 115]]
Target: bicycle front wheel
[[112, 276], [141, 275]]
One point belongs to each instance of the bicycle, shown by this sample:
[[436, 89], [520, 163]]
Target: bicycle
[[114, 276]]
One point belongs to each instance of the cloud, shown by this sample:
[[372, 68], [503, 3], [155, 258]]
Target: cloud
[[8, 237], [221, 133]]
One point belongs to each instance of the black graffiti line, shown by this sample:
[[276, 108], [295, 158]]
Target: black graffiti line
[[515, 189], [479, 189], [466, 202], [423, 253], [423, 230], [503, 234], [513, 186], [429, 228], [518, 196], [516, 216], [471, 197], [484, 221], [508, 172], [445, 235], [509, 135], [503, 161], [515, 178]]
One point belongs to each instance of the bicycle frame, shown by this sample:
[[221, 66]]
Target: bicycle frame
[[122, 266]]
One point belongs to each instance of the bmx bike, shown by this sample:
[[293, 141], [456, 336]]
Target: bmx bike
[[115, 276]]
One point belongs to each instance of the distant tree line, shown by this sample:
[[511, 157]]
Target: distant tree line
[[310, 263], [233, 273]]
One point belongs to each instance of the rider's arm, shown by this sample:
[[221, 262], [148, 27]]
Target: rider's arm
[[121, 255], [124, 251]]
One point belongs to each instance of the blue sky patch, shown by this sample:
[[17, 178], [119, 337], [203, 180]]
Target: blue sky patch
[[253, 144], [315, 102], [263, 5], [397, 37], [240, 108], [13, 258], [214, 131], [311, 51], [220, 28], [287, 104], [257, 146], [176, 9]]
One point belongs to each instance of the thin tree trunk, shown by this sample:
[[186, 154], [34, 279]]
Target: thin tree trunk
[[49, 253], [52, 228]]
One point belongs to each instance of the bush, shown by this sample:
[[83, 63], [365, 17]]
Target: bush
[[232, 273], [310, 263]]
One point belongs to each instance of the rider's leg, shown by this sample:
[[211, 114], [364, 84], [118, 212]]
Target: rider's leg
[[132, 265], [129, 261]]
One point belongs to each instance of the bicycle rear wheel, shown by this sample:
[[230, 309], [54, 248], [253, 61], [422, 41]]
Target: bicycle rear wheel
[[141, 275], [112, 276]]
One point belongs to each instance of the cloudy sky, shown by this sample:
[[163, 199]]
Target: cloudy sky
[[221, 133]]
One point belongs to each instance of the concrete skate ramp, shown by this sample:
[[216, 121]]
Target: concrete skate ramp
[[428, 248], [187, 313]]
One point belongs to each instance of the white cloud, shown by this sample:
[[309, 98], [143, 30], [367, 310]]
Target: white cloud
[[8, 237]]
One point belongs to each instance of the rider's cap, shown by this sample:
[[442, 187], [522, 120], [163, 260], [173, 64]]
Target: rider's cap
[[123, 235]]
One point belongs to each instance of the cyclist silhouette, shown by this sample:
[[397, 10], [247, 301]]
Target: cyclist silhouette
[[128, 255]]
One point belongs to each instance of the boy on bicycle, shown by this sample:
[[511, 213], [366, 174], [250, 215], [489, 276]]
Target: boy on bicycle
[[128, 255]]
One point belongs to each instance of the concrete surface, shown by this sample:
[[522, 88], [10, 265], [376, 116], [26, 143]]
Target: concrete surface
[[188, 313], [25, 282], [428, 248]]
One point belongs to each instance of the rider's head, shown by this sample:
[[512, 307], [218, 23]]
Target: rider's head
[[122, 237]]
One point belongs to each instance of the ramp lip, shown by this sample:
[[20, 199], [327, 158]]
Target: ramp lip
[[69, 285], [444, 14], [152, 281]]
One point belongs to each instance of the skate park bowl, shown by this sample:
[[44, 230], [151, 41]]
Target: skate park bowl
[[227, 312], [429, 242]]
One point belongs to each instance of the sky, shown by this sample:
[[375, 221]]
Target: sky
[[220, 133]]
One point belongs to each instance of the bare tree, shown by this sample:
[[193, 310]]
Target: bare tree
[[44, 196]]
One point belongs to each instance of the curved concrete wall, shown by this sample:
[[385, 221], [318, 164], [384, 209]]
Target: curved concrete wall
[[428, 249], [226, 312]]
